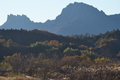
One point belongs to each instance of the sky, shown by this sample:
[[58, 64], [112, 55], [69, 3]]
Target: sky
[[42, 10]]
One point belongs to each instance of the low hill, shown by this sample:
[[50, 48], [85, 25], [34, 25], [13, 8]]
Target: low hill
[[26, 37]]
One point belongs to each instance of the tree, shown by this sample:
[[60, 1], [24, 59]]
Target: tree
[[69, 63], [15, 61], [54, 42], [4, 67], [88, 53], [52, 52], [85, 61], [44, 69], [9, 43], [71, 52]]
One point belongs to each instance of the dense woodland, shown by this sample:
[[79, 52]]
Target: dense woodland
[[47, 56]]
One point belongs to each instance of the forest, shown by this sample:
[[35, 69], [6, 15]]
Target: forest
[[44, 55]]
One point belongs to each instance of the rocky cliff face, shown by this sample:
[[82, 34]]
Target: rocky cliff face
[[18, 22], [76, 18]]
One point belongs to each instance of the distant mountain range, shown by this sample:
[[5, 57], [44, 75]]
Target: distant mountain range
[[76, 18]]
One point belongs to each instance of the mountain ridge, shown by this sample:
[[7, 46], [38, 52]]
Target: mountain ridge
[[76, 18]]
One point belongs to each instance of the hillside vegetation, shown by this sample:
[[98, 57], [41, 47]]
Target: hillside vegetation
[[45, 55]]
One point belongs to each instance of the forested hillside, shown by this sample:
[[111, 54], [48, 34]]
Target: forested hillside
[[26, 37], [46, 55], [37, 41]]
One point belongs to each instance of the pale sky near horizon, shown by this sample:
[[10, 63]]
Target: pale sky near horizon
[[42, 10]]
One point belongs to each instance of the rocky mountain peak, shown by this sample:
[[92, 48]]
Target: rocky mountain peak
[[76, 9], [19, 18], [76, 18]]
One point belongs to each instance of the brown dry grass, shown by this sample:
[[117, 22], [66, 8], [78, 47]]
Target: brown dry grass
[[17, 78]]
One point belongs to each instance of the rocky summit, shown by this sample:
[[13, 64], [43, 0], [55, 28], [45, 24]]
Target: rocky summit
[[76, 18]]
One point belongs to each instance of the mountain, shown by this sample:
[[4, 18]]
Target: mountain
[[76, 18], [18, 22]]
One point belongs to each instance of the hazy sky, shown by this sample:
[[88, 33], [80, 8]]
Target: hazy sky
[[41, 10]]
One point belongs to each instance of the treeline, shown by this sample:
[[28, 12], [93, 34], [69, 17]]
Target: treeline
[[37, 41], [25, 37]]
